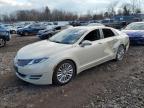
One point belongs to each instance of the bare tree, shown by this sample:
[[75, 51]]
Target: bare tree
[[111, 8], [47, 13], [126, 9], [136, 6], [120, 12]]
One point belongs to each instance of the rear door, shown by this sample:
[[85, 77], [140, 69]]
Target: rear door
[[110, 40]]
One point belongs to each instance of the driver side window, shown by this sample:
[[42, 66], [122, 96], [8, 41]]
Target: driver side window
[[93, 35]]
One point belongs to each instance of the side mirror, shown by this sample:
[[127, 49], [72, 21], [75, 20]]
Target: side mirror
[[86, 43]]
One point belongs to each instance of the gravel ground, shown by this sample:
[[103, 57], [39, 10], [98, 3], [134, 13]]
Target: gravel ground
[[110, 85]]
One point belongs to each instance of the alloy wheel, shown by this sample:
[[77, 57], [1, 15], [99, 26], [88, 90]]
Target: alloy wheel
[[65, 73]]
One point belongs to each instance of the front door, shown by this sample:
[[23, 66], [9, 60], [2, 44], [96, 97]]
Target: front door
[[89, 55]]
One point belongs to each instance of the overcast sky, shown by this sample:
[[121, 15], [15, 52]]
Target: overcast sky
[[80, 6]]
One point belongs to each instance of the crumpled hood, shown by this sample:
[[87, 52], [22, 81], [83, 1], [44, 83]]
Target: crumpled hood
[[134, 33], [41, 49]]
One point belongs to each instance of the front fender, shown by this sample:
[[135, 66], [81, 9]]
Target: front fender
[[58, 59]]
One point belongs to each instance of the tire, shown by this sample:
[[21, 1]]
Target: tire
[[13, 32], [2, 42], [64, 72], [120, 53], [25, 34]]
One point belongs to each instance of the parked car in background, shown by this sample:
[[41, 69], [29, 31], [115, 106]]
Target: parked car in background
[[69, 52], [79, 23], [4, 36], [55, 23], [47, 33], [20, 25], [12, 29], [95, 24], [94, 21], [83, 23], [31, 29], [135, 31], [111, 23]]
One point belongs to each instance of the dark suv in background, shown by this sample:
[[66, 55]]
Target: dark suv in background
[[31, 29], [47, 33]]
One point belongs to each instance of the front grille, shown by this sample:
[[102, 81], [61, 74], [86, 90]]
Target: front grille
[[23, 62], [32, 77], [35, 77]]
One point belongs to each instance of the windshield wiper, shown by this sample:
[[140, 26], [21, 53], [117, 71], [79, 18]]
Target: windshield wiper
[[58, 42], [54, 41]]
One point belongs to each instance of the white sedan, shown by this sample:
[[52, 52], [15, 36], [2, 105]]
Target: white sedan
[[66, 54]]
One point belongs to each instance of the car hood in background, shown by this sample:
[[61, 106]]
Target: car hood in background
[[41, 49], [41, 32], [134, 33]]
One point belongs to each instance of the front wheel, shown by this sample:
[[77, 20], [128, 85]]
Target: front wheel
[[120, 53], [2, 42], [13, 32], [26, 34], [64, 72]]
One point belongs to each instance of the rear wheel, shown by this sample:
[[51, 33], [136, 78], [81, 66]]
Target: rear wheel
[[12, 32], [26, 33], [64, 72], [2, 42], [120, 53]]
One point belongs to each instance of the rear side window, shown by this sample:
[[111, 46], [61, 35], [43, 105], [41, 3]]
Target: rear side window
[[108, 33], [93, 36]]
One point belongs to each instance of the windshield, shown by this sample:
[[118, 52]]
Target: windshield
[[27, 26], [68, 36], [135, 26]]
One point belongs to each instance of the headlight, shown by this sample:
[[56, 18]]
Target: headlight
[[24, 62], [36, 61]]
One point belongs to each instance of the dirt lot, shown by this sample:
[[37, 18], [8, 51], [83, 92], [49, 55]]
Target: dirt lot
[[110, 85]]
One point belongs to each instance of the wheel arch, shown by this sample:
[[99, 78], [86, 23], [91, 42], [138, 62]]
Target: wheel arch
[[54, 70], [75, 64], [123, 45]]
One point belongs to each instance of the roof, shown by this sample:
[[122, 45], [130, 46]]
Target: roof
[[91, 27], [139, 22]]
